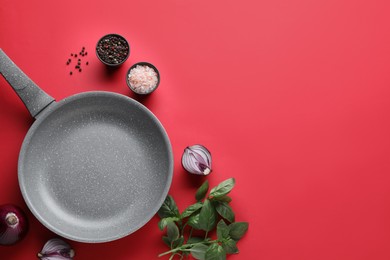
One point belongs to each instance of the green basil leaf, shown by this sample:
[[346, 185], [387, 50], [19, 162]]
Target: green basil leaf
[[222, 230], [164, 222], [225, 211], [193, 240], [215, 252], [223, 188], [193, 221], [168, 208], [207, 216], [177, 242], [198, 251], [202, 191], [172, 231], [238, 229], [167, 241], [230, 246], [191, 209], [224, 198]]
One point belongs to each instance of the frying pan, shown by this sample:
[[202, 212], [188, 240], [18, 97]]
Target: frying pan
[[93, 167]]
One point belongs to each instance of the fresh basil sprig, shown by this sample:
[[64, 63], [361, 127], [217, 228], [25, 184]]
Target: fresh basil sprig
[[207, 214]]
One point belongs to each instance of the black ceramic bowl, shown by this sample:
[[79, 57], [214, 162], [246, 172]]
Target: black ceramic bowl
[[143, 64], [112, 49]]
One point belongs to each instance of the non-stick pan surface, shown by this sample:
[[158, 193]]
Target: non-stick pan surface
[[95, 167]]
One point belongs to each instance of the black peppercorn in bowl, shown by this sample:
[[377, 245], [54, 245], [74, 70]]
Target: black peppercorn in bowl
[[143, 78], [112, 49]]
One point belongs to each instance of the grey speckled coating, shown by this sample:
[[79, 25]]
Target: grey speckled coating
[[95, 166], [32, 96]]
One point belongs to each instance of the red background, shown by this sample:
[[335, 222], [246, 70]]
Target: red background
[[291, 97]]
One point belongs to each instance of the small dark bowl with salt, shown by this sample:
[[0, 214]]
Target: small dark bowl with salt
[[143, 78], [112, 49]]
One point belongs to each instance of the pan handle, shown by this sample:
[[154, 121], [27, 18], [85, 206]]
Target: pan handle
[[34, 98]]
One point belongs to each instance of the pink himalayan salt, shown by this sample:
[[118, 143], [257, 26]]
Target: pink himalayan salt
[[143, 79]]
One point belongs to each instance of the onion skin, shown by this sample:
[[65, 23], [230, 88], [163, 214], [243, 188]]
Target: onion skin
[[13, 224], [196, 159], [56, 249]]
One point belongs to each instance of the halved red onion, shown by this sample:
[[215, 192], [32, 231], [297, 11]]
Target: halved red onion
[[196, 159], [56, 249], [13, 224]]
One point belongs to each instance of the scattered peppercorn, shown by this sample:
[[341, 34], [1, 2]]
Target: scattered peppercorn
[[81, 53]]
